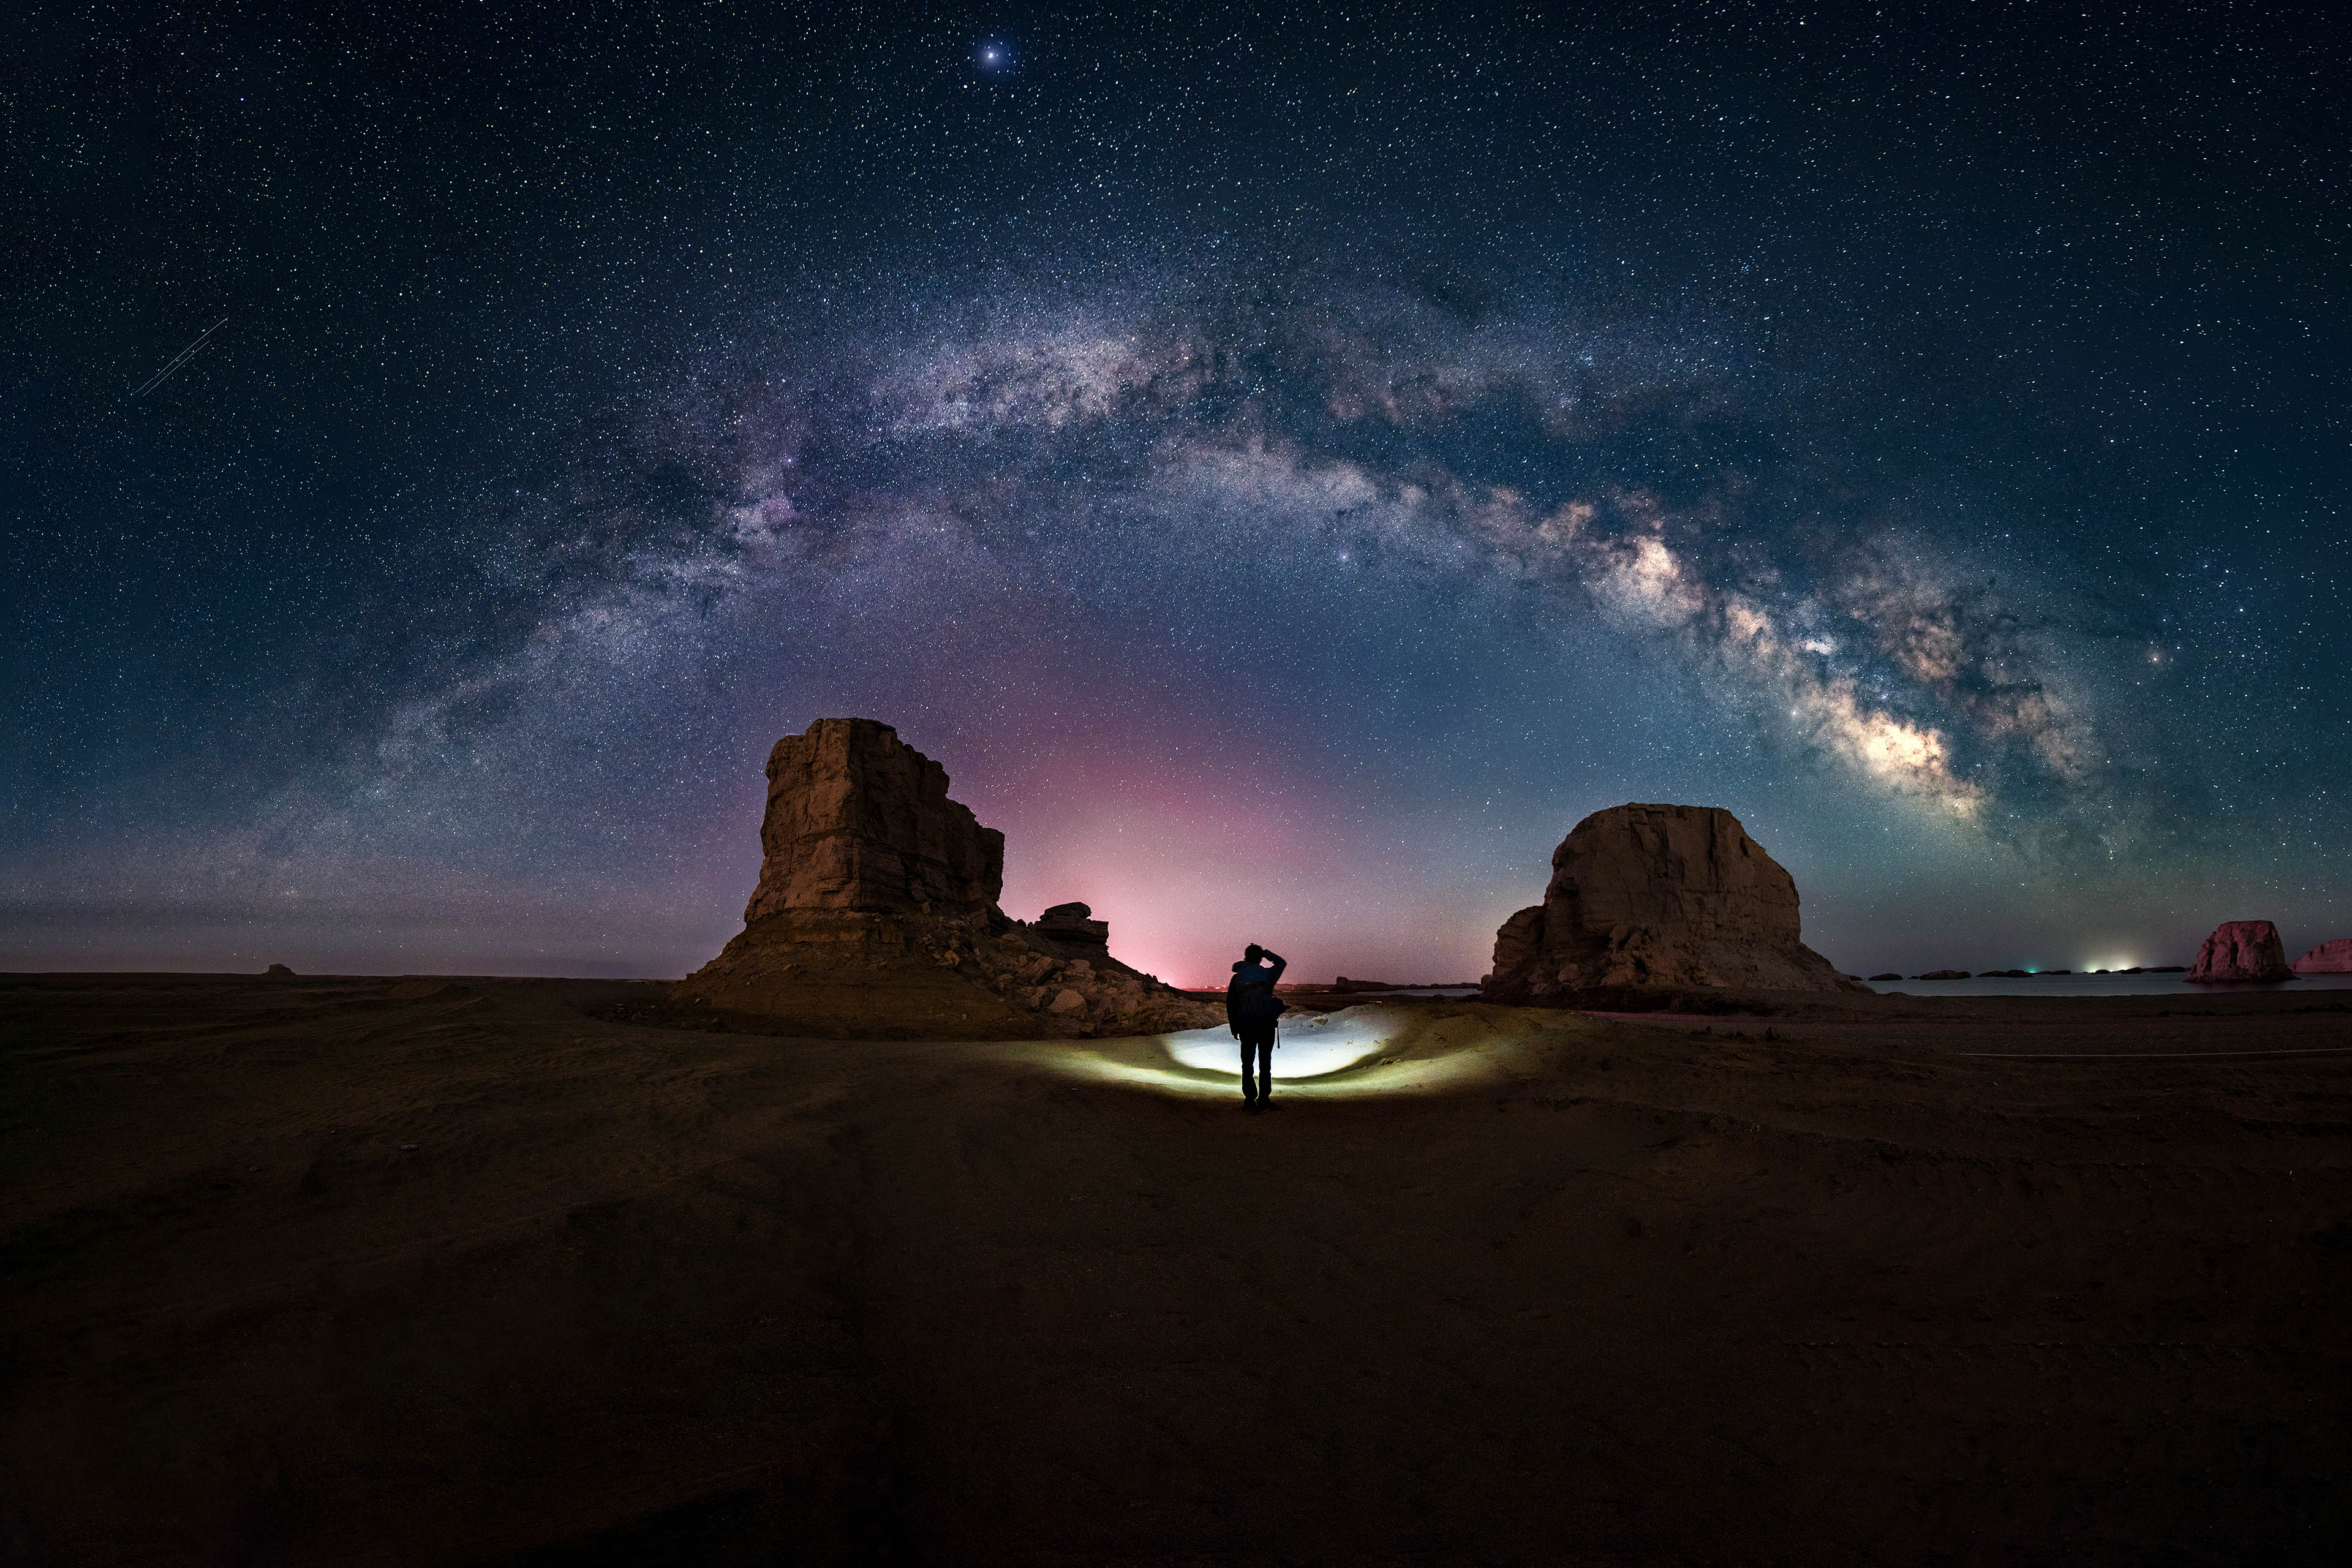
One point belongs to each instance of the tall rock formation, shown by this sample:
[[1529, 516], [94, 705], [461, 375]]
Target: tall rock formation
[[1655, 897], [2331, 957], [2240, 950], [857, 819], [875, 916]]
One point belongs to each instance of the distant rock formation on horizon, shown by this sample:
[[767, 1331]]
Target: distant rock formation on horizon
[[2240, 950], [1657, 897], [875, 916], [2330, 957]]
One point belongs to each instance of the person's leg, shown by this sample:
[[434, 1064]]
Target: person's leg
[[1266, 1066], [1249, 1085]]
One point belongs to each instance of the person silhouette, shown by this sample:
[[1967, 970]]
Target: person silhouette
[[1251, 1009]]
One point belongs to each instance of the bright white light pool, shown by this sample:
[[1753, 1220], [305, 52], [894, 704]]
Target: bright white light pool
[[1305, 1046]]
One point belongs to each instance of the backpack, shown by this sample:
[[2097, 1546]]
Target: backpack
[[1258, 1003]]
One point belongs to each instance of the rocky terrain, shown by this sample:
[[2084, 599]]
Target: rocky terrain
[[875, 916], [1658, 897], [1071, 931], [2242, 951]]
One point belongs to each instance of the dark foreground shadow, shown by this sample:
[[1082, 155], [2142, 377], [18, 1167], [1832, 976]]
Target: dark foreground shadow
[[437, 1272]]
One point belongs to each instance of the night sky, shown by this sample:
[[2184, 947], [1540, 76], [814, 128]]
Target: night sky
[[1288, 468]]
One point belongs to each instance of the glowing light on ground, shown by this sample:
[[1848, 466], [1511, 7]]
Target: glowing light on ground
[[1367, 1051], [1303, 1047]]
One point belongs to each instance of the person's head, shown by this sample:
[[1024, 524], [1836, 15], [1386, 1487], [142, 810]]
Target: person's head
[[1253, 952]]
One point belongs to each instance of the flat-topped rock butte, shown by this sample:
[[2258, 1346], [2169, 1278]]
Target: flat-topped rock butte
[[2242, 951], [875, 916], [1657, 897]]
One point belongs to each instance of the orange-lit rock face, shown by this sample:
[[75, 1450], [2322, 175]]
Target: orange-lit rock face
[[876, 915], [857, 819], [1659, 896]]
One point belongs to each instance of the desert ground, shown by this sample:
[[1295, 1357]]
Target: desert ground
[[432, 1271]]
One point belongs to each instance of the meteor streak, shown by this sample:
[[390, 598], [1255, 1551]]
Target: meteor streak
[[183, 357]]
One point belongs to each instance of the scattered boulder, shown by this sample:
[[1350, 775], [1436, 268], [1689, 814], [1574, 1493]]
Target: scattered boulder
[[2240, 950], [278, 972], [1652, 896], [875, 916], [2332, 957], [1944, 974]]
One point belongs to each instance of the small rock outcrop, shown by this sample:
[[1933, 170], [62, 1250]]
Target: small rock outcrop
[[278, 972], [2240, 950], [2333, 957], [875, 916], [1072, 931], [1944, 974], [1655, 897]]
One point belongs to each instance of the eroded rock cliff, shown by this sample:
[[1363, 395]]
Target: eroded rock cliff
[[1658, 897], [877, 917], [2331, 957], [2240, 950]]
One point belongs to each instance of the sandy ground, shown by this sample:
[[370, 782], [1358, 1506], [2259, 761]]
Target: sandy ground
[[368, 1272]]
